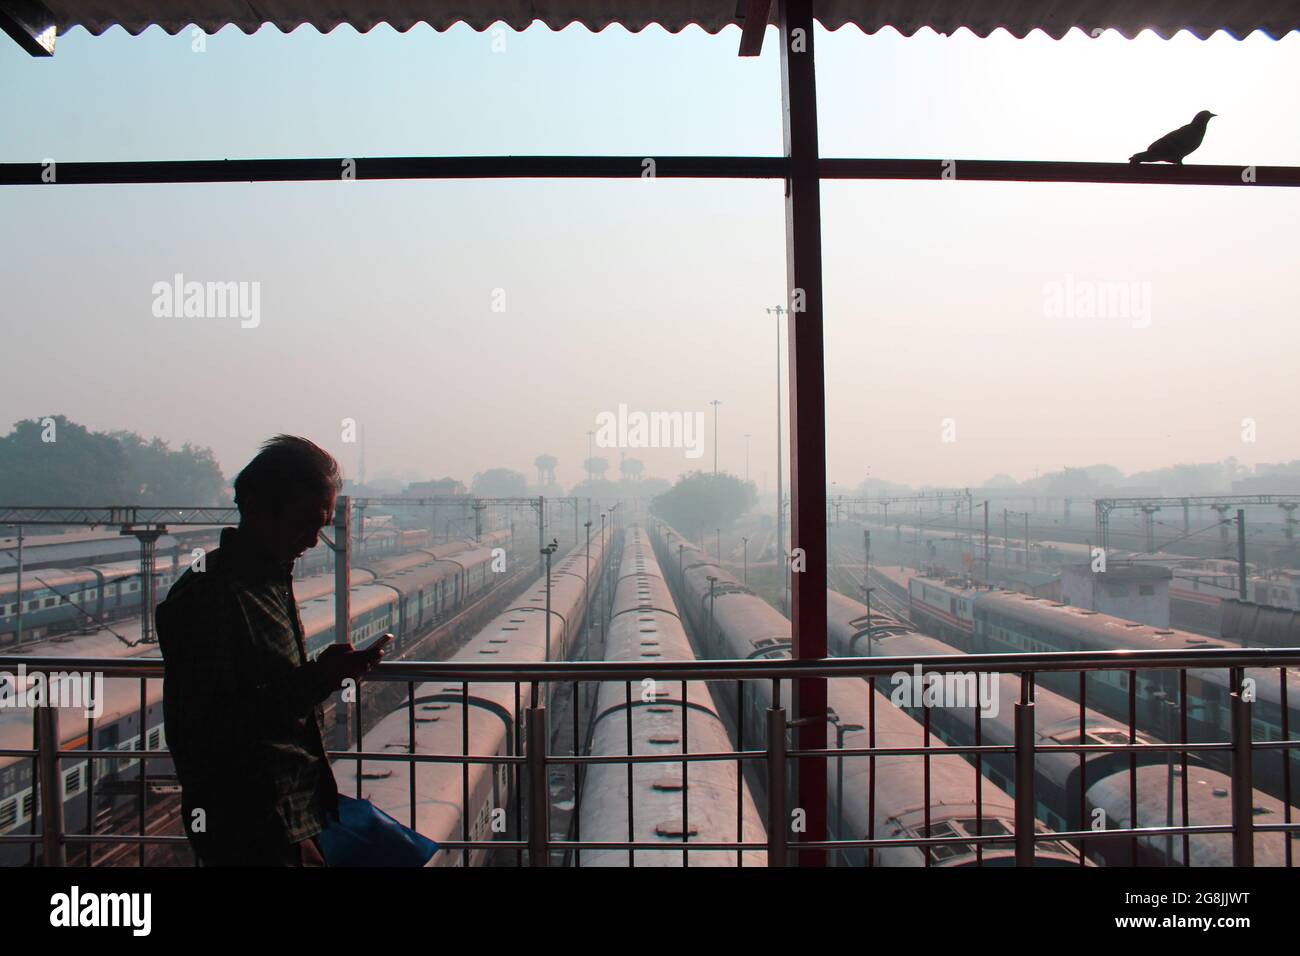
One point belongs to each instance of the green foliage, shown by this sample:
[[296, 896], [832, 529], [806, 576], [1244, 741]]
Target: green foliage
[[81, 467], [499, 483], [703, 499]]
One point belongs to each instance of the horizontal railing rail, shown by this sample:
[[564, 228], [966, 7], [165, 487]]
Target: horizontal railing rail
[[530, 764]]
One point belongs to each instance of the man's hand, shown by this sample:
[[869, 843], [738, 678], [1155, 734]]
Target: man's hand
[[340, 662]]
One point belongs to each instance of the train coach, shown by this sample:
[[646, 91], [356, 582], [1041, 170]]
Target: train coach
[[669, 803], [1067, 791], [448, 800], [1016, 623], [884, 800], [70, 598], [118, 727]]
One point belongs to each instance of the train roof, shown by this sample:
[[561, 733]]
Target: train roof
[[1101, 631], [1209, 803]]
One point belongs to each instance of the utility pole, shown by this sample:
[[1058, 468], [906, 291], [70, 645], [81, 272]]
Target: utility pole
[[1241, 553], [986, 541], [780, 485], [866, 558], [747, 437], [715, 403], [1026, 541], [1006, 539]]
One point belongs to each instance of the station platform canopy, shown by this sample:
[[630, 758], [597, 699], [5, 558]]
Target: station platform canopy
[[36, 24]]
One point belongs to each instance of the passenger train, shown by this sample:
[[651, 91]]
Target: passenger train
[[449, 801], [674, 803], [884, 799], [1068, 791], [994, 621], [75, 598]]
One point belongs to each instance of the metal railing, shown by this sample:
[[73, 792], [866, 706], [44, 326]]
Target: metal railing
[[531, 763]]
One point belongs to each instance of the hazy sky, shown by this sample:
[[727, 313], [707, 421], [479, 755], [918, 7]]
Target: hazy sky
[[943, 300]]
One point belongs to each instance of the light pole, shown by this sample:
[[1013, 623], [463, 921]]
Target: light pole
[[747, 438], [590, 435], [715, 403], [867, 591], [746, 542], [548, 551], [587, 584], [712, 594], [780, 492], [718, 531], [840, 731]]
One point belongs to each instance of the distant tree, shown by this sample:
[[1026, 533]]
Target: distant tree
[[599, 490], [435, 488], [499, 483], [80, 467], [651, 487], [704, 499], [596, 467]]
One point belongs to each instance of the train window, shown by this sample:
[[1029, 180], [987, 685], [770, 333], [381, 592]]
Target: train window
[[8, 813], [155, 740], [29, 804], [72, 781]]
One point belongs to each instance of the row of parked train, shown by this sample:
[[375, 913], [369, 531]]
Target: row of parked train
[[448, 800], [989, 621], [401, 594], [84, 596], [892, 797]]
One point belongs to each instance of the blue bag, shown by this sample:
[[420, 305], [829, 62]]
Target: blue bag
[[364, 835]]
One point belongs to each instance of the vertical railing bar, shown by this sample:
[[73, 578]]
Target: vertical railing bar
[[410, 747], [1024, 771], [979, 783], [36, 786], [1132, 766], [515, 771], [1243, 816], [925, 763], [686, 800], [871, 768], [1083, 765], [631, 854], [1287, 838], [539, 828], [577, 781], [776, 784], [1182, 738], [90, 790], [464, 770], [740, 772], [142, 718]]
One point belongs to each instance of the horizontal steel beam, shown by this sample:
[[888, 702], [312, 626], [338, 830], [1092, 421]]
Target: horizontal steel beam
[[631, 167], [837, 667], [118, 515]]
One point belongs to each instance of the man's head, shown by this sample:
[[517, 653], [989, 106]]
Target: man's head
[[286, 495]]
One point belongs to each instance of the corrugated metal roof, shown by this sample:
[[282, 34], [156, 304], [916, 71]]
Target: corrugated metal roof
[[982, 17]]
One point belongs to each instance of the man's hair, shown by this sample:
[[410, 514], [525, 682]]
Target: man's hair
[[287, 467]]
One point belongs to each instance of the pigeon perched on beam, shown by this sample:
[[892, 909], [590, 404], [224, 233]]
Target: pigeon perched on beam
[[1174, 147]]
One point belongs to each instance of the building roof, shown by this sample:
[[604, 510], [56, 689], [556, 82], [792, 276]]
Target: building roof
[[982, 17], [1125, 571]]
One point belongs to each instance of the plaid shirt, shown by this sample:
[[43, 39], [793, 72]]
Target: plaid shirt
[[242, 704]]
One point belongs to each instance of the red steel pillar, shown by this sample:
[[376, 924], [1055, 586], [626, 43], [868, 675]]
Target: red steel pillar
[[807, 406]]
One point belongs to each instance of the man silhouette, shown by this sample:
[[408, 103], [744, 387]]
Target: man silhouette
[[241, 700]]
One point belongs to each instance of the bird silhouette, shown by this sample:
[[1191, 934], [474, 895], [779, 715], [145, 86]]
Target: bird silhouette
[[1174, 147]]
